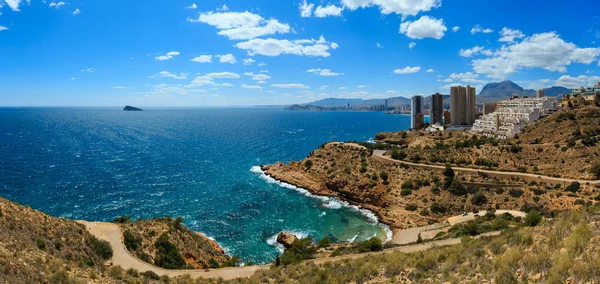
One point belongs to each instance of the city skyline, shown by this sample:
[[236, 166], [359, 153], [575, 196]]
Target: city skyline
[[222, 53]]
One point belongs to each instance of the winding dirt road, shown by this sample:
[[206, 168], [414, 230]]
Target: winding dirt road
[[379, 155], [121, 257]]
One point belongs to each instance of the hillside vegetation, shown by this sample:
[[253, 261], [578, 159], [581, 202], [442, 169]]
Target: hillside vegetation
[[565, 144], [167, 243], [404, 196]]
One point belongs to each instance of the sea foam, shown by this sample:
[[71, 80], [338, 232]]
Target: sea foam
[[329, 202]]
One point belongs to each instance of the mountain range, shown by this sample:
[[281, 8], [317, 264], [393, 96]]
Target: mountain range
[[492, 92]]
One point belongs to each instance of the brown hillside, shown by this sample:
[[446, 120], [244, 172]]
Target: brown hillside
[[411, 196], [197, 251]]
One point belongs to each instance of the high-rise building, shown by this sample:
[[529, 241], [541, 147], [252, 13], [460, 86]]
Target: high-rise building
[[539, 93], [489, 108], [436, 113], [416, 108], [462, 105], [447, 118]]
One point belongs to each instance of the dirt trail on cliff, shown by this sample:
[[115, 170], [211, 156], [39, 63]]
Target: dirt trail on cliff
[[378, 154], [121, 257]]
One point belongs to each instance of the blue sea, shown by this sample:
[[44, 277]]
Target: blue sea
[[201, 164]]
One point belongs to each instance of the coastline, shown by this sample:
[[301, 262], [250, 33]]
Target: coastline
[[373, 215]]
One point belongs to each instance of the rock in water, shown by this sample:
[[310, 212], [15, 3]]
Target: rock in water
[[130, 108], [286, 239]]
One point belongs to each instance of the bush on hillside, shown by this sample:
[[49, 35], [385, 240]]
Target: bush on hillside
[[131, 240], [300, 250], [100, 247], [533, 218], [574, 187], [167, 254]]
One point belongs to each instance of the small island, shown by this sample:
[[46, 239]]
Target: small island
[[130, 108]]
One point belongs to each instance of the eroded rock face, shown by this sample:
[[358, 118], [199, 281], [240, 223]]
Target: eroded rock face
[[286, 239]]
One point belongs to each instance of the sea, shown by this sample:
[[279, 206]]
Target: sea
[[201, 164]]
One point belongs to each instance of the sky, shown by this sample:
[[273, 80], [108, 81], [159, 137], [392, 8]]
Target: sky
[[259, 52]]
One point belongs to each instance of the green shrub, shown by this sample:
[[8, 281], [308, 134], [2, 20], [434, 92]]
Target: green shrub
[[478, 198], [167, 254], [407, 184], [300, 250], [122, 219], [516, 193], [234, 261], [406, 191], [397, 154], [324, 242], [372, 244], [411, 207], [437, 208], [41, 244], [533, 218], [132, 241], [308, 164], [100, 247], [574, 187], [596, 170]]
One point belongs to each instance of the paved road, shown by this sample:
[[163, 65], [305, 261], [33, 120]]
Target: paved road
[[112, 233], [378, 154]]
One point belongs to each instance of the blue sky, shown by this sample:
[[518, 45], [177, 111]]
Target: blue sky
[[221, 53]]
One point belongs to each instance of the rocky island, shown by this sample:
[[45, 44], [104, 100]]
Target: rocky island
[[130, 108]]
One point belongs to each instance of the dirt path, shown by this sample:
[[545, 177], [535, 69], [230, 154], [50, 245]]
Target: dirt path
[[121, 257], [378, 154]]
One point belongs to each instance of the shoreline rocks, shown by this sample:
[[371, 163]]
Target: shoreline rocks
[[286, 239]]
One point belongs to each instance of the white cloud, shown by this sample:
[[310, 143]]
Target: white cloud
[[574, 82], [401, 7], [342, 88], [262, 64], [509, 35], [467, 77], [227, 58], [193, 6], [258, 77], [13, 4], [165, 74], [545, 80], [242, 25], [479, 29], [167, 56], [330, 10], [3, 28], [392, 92], [56, 4], [224, 8], [276, 47], [76, 12], [424, 27], [290, 86], [455, 28], [202, 59], [248, 61], [251, 87], [264, 71], [73, 78], [430, 70], [361, 86], [261, 82], [89, 70], [379, 45], [474, 51], [411, 45], [408, 70], [324, 87], [306, 9], [323, 72], [119, 87], [208, 79], [546, 50]]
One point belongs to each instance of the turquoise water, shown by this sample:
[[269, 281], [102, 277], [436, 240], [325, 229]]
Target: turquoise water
[[200, 164]]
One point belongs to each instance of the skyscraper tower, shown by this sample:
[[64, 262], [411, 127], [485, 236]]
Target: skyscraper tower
[[436, 114], [416, 112], [462, 105]]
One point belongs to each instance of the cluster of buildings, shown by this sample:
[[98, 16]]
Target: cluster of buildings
[[499, 120], [507, 118], [462, 111]]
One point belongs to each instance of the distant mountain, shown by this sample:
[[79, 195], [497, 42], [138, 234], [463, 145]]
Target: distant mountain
[[494, 92], [337, 102]]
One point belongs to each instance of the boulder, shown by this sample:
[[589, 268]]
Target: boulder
[[286, 239]]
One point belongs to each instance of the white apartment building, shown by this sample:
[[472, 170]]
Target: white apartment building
[[512, 115]]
